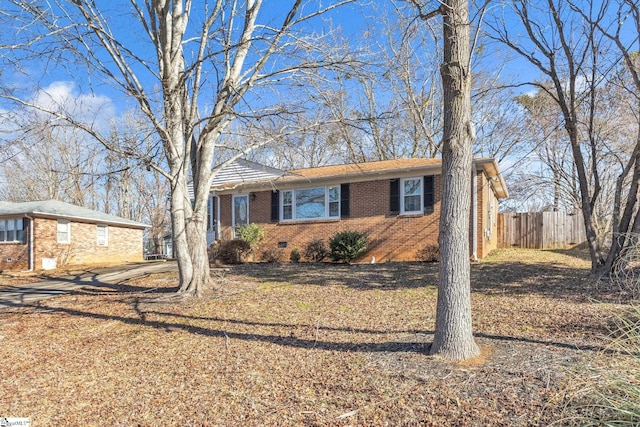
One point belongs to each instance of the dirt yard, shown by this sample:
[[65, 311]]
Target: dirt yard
[[312, 345]]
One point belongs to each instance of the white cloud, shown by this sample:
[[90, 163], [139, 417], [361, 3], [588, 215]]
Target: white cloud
[[64, 97]]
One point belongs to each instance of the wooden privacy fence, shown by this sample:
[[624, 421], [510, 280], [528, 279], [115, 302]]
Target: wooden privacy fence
[[541, 230]]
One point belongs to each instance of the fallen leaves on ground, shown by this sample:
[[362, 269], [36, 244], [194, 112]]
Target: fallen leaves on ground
[[305, 344]]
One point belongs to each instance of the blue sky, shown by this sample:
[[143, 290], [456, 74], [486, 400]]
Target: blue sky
[[72, 85]]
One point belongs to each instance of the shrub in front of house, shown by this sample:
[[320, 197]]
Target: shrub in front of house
[[316, 250], [234, 251], [252, 234], [295, 255], [430, 253], [348, 245], [272, 255]]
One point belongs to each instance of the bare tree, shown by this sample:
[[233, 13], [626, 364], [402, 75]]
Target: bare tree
[[386, 104], [454, 332], [199, 79], [49, 161], [626, 215], [565, 51], [571, 44], [551, 147]]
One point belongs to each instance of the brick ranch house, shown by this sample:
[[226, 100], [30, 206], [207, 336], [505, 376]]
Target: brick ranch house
[[46, 234], [397, 202]]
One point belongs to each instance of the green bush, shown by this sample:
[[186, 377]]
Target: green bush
[[234, 251], [272, 255], [348, 245], [252, 234], [316, 250], [295, 255]]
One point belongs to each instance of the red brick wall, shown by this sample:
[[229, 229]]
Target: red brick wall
[[487, 217], [124, 244], [14, 256], [392, 237]]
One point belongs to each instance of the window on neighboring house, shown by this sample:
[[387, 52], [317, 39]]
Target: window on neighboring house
[[411, 195], [310, 203], [12, 230], [102, 232], [64, 231], [20, 234]]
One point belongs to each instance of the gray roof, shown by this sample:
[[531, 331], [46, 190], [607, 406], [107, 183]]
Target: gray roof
[[57, 209], [243, 170], [240, 171]]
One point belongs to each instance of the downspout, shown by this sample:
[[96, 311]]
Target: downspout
[[474, 212], [31, 260]]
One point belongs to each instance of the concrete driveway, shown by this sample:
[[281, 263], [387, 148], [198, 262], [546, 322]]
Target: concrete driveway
[[16, 296]]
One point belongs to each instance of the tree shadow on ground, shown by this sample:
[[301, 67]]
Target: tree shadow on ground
[[417, 341], [505, 278], [84, 284], [385, 276]]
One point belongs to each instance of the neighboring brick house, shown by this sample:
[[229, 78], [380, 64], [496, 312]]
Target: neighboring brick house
[[397, 202], [45, 234]]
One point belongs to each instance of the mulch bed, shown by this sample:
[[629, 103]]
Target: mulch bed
[[308, 345]]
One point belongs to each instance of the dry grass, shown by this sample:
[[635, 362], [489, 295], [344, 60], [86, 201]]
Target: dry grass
[[305, 345]]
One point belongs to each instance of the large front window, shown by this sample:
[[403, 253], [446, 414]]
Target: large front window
[[310, 203]]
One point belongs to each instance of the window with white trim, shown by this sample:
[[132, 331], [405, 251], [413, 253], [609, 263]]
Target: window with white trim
[[411, 195], [64, 231], [310, 203], [12, 230], [287, 205], [102, 233]]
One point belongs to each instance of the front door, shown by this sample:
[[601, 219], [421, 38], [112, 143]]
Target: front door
[[240, 211], [212, 226]]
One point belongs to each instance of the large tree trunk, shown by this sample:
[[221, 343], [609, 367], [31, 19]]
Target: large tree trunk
[[187, 220], [595, 250], [453, 336], [622, 225], [189, 235]]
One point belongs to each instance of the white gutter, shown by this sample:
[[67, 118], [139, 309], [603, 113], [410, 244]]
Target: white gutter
[[31, 260], [474, 211]]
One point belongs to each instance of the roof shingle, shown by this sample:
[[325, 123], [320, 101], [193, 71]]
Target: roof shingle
[[58, 209]]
